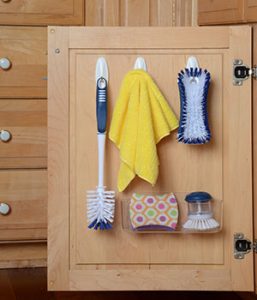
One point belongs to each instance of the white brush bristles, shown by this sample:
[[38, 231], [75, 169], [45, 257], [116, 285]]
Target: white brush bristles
[[100, 205], [195, 127], [201, 223]]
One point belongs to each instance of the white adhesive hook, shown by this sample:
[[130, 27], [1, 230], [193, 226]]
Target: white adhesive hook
[[140, 64], [192, 62], [101, 69]]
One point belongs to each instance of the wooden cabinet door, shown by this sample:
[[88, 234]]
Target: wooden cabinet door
[[220, 12], [36, 12], [251, 11], [140, 13], [80, 259], [226, 12]]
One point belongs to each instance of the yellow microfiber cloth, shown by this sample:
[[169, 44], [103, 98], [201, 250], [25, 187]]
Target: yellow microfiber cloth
[[141, 118]]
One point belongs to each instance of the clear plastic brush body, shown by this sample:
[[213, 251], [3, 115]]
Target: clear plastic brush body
[[200, 216], [198, 208]]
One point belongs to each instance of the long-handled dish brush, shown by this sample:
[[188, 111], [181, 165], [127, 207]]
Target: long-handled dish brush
[[101, 203]]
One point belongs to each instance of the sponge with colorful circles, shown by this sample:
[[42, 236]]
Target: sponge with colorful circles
[[153, 212]]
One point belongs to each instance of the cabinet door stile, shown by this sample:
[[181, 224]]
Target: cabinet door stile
[[241, 111], [58, 164]]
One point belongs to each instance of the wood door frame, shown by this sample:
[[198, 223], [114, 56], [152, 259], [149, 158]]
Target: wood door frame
[[254, 132], [60, 277]]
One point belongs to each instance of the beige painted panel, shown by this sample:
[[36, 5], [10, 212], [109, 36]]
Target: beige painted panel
[[225, 162], [26, 120], [176, 161], [25, 47], [140, 13], [36, 12], [25, 193]]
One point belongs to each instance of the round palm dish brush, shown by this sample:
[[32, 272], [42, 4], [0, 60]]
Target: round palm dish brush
[[101, 203], [200, 215]]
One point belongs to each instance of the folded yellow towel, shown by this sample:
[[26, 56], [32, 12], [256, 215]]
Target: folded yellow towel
[[141, 118]]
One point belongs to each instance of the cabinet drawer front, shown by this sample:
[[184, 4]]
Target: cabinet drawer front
[[26, 121], [37, 12], [23, 255], [25, 192], [25, 48]]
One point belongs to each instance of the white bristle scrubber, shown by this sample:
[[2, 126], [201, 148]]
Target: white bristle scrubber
[[201, 223]]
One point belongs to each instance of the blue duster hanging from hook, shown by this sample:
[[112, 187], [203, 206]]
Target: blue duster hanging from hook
[[193, 83]]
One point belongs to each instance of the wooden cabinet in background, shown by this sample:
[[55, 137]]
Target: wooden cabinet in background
[[140, 12], [25, 192], [26, 49], [226, 12], [251, 11], [38, 12], [26, 120]]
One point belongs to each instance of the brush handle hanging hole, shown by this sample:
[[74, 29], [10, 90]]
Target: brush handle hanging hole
[[101, 83]]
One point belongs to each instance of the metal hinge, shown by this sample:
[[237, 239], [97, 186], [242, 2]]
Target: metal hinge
[[242, 246], [242, 72]]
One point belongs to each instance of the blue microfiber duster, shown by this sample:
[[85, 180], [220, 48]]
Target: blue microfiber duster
[[193, 86]]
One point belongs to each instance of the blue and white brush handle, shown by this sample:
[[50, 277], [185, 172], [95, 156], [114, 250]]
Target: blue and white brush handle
[[101, 116]]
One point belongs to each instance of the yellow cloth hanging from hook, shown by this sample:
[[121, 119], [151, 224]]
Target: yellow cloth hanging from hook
[[141, 118]]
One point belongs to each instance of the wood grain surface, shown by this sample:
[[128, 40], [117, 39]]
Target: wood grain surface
[[76, 261], [30, 284], [141, 13], [36, 12], [25, 47], [26, 120]]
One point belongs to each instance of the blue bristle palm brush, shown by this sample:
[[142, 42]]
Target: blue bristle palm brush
[[193, 83]]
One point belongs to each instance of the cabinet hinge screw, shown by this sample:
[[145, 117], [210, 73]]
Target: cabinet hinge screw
[[243, 246], [242, 72]]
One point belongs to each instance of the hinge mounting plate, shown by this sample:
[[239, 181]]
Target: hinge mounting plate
[[243, 246], [242, 72]]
